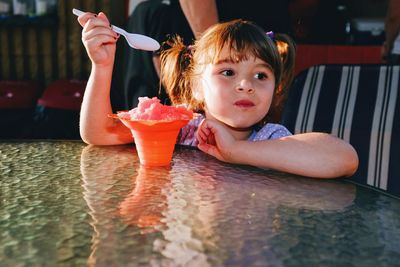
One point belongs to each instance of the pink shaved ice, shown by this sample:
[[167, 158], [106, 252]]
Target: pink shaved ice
[[152, 109]]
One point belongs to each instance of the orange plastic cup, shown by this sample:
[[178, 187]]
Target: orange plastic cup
[[155, 140]]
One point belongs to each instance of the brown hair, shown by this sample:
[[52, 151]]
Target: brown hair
[[182, 65]]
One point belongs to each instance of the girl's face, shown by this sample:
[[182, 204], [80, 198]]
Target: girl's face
[[237, 93]]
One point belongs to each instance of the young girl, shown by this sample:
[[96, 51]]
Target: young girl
[[232, 75]]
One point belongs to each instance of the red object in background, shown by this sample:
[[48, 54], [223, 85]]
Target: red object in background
[[19, 94], [310, 55], [63, 94]]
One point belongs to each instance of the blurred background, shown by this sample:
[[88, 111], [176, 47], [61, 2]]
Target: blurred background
[[41, 39], [44, 67]]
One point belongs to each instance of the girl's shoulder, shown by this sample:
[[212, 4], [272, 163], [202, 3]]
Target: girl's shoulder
[[187, 135], [270, 131]]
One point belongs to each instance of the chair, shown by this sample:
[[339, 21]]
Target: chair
[[308, 55], [17, 103], [57, 111], [358, 103]]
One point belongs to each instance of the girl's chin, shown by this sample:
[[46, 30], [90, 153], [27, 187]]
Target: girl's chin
[[240, 127], [243, 124]]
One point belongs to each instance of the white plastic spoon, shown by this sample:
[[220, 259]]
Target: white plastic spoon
[[137, 41]]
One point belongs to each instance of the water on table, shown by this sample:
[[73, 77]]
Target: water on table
[[65, 204]]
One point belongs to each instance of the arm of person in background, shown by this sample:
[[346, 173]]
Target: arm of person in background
[[100, 42], [200, 14], [318, 155], [392, 27]]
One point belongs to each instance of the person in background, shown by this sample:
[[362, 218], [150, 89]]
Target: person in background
[[320, 21], [201, 14], [302, 15], [391, 46], [137, 72], [231, 76]]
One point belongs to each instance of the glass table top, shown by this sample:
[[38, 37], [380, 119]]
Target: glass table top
[[67, 204]]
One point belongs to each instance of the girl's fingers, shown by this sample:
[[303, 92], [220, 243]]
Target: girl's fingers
[[103, 16], [93, 23], [86, 35], [211, 140], [210, 150], [206, 148], [99, 40], [200, 133], [97, 27], [203, 134], [206, 138], [208, 133], [204, 126], [90, 21], [88, 15], [85, 17]]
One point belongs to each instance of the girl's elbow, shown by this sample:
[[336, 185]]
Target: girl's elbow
[[88, 138], [351, 162], [94, 141], [101, 138], [345, 165], [347, 162], [85, 134]]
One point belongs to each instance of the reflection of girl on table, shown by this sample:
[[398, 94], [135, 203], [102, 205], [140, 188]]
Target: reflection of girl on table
[[233, 74], [105, 179]]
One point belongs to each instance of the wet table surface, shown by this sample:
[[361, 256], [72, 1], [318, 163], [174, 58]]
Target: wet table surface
[[67, 204]]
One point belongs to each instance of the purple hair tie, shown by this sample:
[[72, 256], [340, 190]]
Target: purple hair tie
[[271, 35]]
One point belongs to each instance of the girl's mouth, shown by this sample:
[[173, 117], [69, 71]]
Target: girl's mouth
[[244, 104]]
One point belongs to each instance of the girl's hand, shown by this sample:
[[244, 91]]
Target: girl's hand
[[98, 38], [216, 140]]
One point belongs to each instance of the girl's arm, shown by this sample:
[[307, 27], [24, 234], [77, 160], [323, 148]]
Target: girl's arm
[[310, 154], [95, 125], [200, 14]]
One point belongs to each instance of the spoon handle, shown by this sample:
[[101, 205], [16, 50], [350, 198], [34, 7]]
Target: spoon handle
[[78, 12], [118, 30], [136, 41]]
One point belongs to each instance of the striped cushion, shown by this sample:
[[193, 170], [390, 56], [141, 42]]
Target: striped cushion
[[358, 103]]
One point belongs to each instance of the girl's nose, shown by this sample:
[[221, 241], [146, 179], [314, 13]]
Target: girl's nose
[[245, 86]]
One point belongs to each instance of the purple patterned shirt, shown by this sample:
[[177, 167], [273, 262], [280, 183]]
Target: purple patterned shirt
[[187, 135]]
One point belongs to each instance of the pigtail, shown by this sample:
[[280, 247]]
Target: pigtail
[[174, 72], [287, 52]]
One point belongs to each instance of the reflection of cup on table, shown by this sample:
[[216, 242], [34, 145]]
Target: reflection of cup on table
[[144, 206]]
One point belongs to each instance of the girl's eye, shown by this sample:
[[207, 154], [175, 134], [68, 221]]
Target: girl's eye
[[227, 72], [260, 76]]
